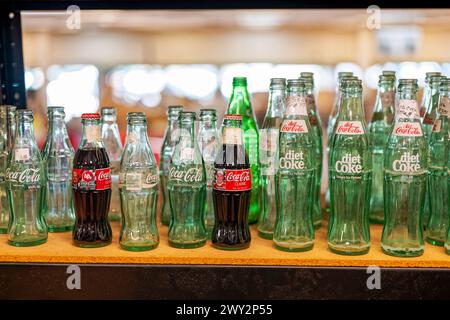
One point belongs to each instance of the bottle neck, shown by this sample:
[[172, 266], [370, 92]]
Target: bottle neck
[[56, 126], [137, 133], [351, 107], [277, 98], [207, 124], [385, 97], [239, 101], [296, 104], [187, 132], [91, 136]]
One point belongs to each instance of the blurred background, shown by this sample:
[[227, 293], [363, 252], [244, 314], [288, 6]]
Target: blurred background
[[147, 60]]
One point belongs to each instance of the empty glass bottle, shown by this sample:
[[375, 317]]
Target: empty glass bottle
[[316, 126], [26, 186], [379, 127], [170, 139], [114, 149], [187, 188], [438, 158], [350, 169], [240, 104], [426, 96], [296, 176], [405, 174], [268, 156], [209, 144], [57, 157], [7, 132], [138, 187]]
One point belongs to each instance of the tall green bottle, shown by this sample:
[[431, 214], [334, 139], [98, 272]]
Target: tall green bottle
[[240, 104]]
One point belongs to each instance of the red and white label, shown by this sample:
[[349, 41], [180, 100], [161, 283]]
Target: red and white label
[[232, 180], [350, 128], [96, 179], [294, 126], [407, 109], [444, 106], [296, 106], [408, 129]]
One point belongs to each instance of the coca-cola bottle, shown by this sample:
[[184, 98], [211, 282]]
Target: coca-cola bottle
[[405, 174], [7, 132], [240, 104], [232, 188], [379, 127], [114, 149], [165, 156], [296, 177], [350, 169], [268, 156], [26, 186], [426, 93], [91, 183], [138, 184], [209, 144], [316, 127], [438, 161], [187, 188]]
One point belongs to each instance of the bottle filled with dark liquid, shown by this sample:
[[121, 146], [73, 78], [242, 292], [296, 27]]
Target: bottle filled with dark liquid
[[91, 182], [232, 188]]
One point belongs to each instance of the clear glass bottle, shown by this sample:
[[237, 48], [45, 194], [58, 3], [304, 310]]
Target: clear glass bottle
[[138, 187], [426, 96], [26, 186], [170, 139], [405, 174], [57, 157], [187, 188], [350, 170], [7, 132], [268, 156], [209, 143], [379, 128], [296, 177], [114, 149]]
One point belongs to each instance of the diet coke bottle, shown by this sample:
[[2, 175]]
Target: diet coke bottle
[[232, 189], [91, 183]]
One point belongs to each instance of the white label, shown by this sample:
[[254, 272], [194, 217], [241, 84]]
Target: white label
[[349, 164], [93, 133], [296, 106], [293, 160], [27, 176], [133, 138], [187, 154], [294, 126], [22, 154], [437, 126], [350, 128], [232, 136], [408, 129], [407, 109], [133, 181], [408, 163], [444, 106]]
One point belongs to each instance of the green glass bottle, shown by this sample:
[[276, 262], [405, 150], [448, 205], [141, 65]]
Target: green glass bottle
[[379, 128], [316, 126], [240, 104], [438, 170]]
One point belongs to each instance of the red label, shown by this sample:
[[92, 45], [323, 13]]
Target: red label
[[295, 126], [98, 179], [232, 180], [428, 119], [408, 129], [349, 127], [422, 111]]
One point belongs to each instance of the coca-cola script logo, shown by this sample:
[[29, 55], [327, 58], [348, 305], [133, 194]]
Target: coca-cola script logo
[[87, 176], [27, 176], [152, 178], [232, 180], [189, 175], [350, 128], [294, 126], [409, 129]]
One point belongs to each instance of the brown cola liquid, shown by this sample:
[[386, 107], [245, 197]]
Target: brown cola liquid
[[231, 230], [92, 228]]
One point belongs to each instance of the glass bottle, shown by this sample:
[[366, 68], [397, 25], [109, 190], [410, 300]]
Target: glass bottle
[[57, 157], [26, 186], [209, 144], [426, 97], [316, 126], [296, 177], [138, 188], [7, 132], [170, 139], [240, 104], [187, 188], [268, 156], [114, 149], [379, 128], [405, 174], [350, 169], [438, 159]]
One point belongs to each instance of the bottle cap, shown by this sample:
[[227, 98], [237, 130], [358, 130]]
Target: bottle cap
[[90, 116]]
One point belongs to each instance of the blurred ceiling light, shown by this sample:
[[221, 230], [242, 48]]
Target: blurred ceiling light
[[259, 20], [348, 66], [151, 100], [371, 75], [259, 77], [34, 78], [427, 66], [408, 70], [75, 87], [195, 82], [398, 40], [228, 72]]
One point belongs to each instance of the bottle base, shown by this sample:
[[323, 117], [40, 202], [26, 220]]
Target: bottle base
[[59, 228], [402, 253], [187, 245], [96, 244], [295, 249], [139, 248], [265, 234], [348, 250], [227, 247], [27, 243], [435, 242]]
